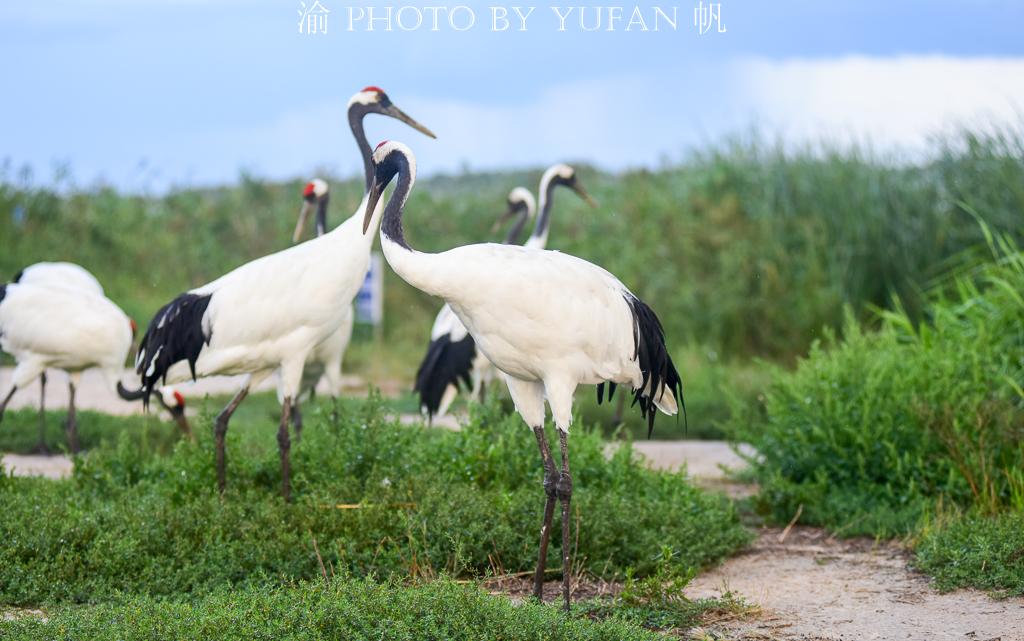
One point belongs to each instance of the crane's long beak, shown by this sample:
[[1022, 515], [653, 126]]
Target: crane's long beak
[[502, 218], [307, 206], [398, 114], [376, 189], [576, 187]]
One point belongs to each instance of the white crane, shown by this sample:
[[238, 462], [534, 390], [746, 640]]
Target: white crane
[[325, 359], [75, 277], [452, 358], [549, 321], [268, 314], [62, 328]]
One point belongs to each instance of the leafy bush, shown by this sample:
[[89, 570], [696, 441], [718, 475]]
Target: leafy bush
[[985, 552], [870, 430], [431, 502], [349, 609]]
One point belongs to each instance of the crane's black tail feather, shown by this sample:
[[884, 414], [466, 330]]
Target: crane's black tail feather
[[446, 363], [175, 334], [656, 366], [128, 394]]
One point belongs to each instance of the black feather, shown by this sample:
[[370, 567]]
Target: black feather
[[446, 363], [655, 363], [600, 393], [3, 292], [17, 277], [175, 334]]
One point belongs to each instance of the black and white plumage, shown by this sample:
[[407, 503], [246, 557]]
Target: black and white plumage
[[269, 314], [69, 276], [452, 360], [549, 321], [46, 327], [325, 360]]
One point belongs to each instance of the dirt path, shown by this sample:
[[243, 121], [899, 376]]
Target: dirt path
[[812, 587]]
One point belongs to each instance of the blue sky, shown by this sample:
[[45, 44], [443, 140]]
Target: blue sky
[[146, 95]]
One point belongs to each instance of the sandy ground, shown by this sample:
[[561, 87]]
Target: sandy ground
[[812, 587], [809, 586]]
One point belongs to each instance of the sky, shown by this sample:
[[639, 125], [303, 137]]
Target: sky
[[152, 95]]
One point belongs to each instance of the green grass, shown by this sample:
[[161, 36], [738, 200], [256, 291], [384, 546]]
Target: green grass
[[872, 433], [136, 522], [982, 551], [346, 609]]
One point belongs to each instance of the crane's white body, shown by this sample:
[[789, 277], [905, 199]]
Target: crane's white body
[[275, 311], [60, 274], [63, 328], [549, 321]]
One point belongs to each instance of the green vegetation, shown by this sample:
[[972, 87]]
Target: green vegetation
[[871, 434], [986, 552], [359, 609], [432, 502], [745, 249]]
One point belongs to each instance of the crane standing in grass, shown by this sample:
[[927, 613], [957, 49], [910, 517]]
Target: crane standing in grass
[[268, 314], [61, 328], [62, 276], [549, 321], [452, 358], [325, 359]]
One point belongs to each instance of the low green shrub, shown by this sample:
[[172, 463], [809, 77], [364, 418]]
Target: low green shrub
[[346, 609], [870, 430], [431, 502], [981, 551]]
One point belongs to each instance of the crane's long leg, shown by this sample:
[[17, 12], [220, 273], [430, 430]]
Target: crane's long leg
[[42, 415], [284, 444], [563, 489], [72, 424], [550, 482], [7, 399], [220, 430], [297, 420]]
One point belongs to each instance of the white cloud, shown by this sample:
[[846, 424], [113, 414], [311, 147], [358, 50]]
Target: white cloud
[[896, 101]]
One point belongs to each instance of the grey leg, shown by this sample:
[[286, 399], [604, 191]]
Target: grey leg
[[564, 490], [220, 430], [285, 445], [72, 424], [297, 420], [549, 510], [3, 406], [42, 415]]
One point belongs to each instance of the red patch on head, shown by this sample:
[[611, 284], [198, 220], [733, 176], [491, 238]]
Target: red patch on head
[[135, 328], [381, 144], [372, 88], [179, 398], [308, 190]]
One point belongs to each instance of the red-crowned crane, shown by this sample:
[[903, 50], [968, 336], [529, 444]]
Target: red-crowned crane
[[325, 359], [452, 358], [268, 314], [549, 321], [64, 275], [62, 328]]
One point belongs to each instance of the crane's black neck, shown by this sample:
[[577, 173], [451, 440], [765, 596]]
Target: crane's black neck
[[391, 225], [540, 229], [517, 228], [356, 112], [321, 215]]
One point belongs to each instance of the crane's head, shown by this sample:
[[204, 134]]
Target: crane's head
[[520, 203], [313, 193], [562, 174], [173, 400], [373, 100], [388, 159]]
